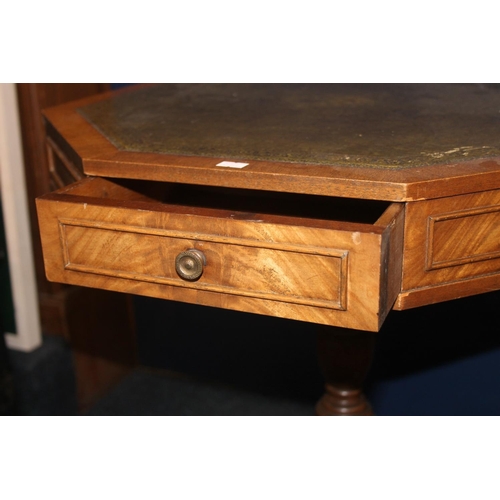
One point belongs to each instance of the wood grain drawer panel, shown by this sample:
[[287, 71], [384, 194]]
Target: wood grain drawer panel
[[463, 237], [298, 274], [452, 248], [99, 234]]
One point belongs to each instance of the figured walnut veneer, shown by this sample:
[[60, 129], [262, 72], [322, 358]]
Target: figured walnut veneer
[[451, 249], [351, 201], [317, 270]]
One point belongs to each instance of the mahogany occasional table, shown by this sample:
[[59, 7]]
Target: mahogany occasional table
[[331, 204]]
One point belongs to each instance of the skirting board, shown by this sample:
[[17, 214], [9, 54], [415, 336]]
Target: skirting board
[[16, 220]]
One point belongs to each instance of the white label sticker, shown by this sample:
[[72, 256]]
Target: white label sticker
[[231, 164]]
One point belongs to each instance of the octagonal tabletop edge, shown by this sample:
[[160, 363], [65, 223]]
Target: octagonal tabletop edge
[[394, 142]]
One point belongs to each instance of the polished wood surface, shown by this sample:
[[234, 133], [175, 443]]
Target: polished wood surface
[[451, 249], [317, 270], [345, 357], [431, 234], [97, 155]]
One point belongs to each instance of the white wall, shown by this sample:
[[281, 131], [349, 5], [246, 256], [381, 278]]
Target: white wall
[[16, 221]]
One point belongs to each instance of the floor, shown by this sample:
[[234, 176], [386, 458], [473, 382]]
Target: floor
[[146, 392], [467, 387], [439, 360]]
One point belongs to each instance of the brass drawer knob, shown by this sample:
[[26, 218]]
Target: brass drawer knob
[[189, 264]]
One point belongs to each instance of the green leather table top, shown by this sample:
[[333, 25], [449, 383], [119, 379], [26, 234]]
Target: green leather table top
[[378, 126]]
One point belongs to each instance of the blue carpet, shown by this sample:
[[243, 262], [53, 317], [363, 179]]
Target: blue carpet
[[44, 381], [470, 386], [238, 364], [466, 387], [147, 393]]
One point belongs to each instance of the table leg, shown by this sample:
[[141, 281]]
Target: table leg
[[345, 357]]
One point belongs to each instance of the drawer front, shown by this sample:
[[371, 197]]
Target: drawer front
[[294, 270], [452, 248], [291, 273]]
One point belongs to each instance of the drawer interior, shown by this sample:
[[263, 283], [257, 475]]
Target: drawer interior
[[239, 203]]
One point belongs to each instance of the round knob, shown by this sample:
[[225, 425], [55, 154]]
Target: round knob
[[189, 264]]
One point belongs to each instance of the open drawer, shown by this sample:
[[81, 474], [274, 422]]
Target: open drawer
[[337, 263]]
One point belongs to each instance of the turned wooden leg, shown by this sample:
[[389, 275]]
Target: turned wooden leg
[[345, 357]]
